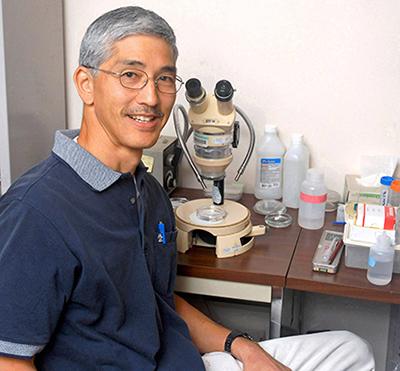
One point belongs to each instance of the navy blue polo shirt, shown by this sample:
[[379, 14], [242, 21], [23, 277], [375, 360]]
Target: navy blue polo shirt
[[86, 282]]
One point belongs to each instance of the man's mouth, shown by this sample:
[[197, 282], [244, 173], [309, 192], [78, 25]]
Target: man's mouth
[[140, 118]]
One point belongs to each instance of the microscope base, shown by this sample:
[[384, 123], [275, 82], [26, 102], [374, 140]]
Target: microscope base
[[232, 236]]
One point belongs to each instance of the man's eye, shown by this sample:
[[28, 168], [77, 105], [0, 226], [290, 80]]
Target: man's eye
[[130, 74], [166, 79]]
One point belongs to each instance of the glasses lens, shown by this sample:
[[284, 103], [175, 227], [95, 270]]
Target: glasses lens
[[133, 79], [137, 79], [168, 84]]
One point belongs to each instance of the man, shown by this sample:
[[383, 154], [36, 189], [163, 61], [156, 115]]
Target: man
[[86, 270]]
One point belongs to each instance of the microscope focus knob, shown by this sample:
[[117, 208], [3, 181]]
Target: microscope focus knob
[[169, 160], [170, 180]]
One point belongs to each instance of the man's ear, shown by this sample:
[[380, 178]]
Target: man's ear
[[83, 80]]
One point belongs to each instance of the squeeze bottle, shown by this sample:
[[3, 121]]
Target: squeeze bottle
[[313, 195], [270, 153], [380, 260], [295, 165]]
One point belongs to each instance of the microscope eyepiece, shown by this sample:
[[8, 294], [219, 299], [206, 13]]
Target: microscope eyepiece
[[194, 89], [223, 91]]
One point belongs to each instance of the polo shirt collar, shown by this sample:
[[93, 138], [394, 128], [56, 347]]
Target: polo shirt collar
[[88, 167]]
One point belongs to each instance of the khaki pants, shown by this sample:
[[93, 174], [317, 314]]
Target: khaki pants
[[325, 351]]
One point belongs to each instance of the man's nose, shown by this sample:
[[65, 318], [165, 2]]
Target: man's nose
[[148, 94]]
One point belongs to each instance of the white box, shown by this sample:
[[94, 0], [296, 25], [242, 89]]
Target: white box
[[357, 252], [356, 234]]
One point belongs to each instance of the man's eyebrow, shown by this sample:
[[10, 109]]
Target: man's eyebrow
[[132, 62], [136, 63], [168, 69]]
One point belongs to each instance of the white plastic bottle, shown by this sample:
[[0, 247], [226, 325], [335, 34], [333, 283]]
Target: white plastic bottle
[[313, 196], [386, 181], [270, 153], [380, 261], [397, 228], [295, 165]]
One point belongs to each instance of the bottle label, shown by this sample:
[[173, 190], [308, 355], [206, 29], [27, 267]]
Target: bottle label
[[384, 197], [371, 262], [270, 172], [319, 199], [375, 216]]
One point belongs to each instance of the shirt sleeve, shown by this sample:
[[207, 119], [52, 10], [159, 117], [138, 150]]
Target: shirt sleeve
[[36, 279]]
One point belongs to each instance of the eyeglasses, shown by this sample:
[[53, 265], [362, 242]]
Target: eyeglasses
[[167, 83]]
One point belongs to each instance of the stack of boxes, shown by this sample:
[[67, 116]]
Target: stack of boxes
[[359, 233]]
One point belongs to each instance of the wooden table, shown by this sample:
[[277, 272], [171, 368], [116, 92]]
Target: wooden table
[[350, 282], [279, 260], [258, 274]]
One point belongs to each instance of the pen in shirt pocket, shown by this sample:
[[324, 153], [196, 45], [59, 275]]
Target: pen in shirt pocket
[[161, 233]]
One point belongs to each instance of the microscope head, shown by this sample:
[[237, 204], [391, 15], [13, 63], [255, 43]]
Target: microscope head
[[212, 118]]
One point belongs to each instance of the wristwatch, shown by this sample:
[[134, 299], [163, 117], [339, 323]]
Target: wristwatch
[[232, 336]]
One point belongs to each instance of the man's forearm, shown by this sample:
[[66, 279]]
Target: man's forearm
[[209, 336], [206, 334], [15, 364]]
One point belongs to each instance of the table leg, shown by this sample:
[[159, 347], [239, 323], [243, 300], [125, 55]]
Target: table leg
[[286, 312], [393, 347], [275, 322]]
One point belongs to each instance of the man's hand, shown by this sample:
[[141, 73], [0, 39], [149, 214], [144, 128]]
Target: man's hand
[[255, 358]]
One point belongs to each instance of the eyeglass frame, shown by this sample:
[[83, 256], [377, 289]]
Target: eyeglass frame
[[120, 74]]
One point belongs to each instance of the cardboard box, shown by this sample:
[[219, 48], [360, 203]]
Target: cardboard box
[[354, 192]]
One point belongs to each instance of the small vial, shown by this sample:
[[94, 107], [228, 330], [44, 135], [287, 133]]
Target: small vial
[[386, 181], [394, 193]]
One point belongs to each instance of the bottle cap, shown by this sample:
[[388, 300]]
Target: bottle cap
[[270, 129], [384, 241], [395, 186], [315, 175], [297, 138], [387, 180]]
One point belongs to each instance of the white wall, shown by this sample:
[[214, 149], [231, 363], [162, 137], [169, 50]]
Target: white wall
[[328, 69]]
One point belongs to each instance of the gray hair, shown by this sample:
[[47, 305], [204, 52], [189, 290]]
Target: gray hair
[[97, 43]]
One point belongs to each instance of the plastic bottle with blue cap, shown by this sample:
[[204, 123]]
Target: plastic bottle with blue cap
[[380, 260], [385, 181]]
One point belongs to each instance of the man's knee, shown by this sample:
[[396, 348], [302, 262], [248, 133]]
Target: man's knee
[[356, 345], [353, 340]]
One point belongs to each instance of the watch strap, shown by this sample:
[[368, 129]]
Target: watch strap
[[232, 336]]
